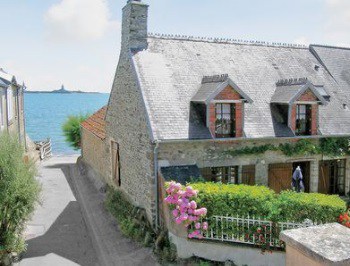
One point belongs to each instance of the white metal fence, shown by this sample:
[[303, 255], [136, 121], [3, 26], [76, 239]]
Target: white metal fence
[[249, 230], [45, 148]]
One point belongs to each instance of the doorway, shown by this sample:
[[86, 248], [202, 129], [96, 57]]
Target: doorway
[[116, 163], [280, 175], [332, 177]]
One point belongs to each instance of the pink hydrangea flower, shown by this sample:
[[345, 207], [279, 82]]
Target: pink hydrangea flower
[[175, 213]]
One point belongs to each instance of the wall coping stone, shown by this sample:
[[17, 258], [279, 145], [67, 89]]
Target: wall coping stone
[[328, 244]]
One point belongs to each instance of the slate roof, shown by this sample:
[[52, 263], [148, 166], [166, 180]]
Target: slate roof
[[290, 91], [3, 84], [171, 69], [96, 123], [213, 85], [337, 62], [181, 174]]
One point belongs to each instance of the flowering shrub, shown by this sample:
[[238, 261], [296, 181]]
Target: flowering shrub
[[344, 219], [184, 208]]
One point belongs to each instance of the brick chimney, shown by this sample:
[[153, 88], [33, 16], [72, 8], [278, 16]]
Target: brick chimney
[[134, 25]]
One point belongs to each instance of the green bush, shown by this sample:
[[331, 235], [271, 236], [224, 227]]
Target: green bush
[[297, 207], [19, 192], [223, 199], [72, 131], [260, 201]]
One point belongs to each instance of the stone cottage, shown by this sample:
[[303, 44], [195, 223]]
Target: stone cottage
[[11, 106], [184, 104]]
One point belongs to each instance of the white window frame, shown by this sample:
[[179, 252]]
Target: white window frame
[[10, 114]]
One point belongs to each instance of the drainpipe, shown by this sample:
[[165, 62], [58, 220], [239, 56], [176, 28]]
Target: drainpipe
[[155, 156]]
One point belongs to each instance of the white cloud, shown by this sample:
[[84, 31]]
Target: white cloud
[[338, 21], [79, 20]]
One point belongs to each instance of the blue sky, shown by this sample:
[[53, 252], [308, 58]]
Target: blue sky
[[76, 42]]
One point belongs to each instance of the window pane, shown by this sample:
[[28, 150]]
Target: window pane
[[225, 125], [226, 108], [303, 119]]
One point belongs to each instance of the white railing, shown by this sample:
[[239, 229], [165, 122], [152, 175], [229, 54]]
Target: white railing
[[249, 230], [44, 148]]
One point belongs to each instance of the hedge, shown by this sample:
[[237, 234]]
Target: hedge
[[19, 194], [317, 207], [222, 199], [260, 201]]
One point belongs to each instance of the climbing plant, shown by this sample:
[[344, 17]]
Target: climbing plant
[[334, 147]]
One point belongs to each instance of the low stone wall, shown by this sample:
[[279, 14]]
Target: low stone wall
[[216, 251]]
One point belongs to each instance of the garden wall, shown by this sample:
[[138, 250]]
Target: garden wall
[[239, 254], [186, 248]]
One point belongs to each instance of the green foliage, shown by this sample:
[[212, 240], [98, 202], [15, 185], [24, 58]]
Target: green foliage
[[314, 206], [132, 220], [302, 147], [334, 147], [223, 199], [260, 201], [253, 150], [134, 224], [72, 131], [19, 192]]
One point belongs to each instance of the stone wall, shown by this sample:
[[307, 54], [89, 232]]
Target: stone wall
[[212, 154], [127, 124], [96, 153], [127, 120]]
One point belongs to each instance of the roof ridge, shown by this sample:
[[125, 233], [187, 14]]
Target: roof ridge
[[330, 46], [224, 40]]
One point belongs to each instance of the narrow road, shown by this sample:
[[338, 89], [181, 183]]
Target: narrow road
[[71, 226]]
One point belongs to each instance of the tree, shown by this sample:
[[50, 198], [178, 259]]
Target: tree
[[72, 131], [19, 193]]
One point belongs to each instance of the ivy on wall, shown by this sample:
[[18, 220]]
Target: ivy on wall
[[334, 147]]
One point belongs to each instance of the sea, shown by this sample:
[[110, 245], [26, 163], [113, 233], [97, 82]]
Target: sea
[[46, 112]]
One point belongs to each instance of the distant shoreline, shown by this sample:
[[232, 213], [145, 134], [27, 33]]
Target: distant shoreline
[[71, 92]]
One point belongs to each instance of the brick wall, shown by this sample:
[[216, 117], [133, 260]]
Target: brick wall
[[308, 96], [293, 117], [314, 119], [227, 94]]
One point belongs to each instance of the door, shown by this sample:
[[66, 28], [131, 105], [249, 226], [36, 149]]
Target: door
[[116, 163], [280, 176], [248, 175], [332, 177], [324, 177]]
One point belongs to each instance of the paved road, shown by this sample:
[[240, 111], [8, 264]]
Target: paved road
[[71, 227], [57, 233]]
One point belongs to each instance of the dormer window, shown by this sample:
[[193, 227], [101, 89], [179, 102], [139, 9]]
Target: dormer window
[[302, 99], [224, 103], [303, 120], [225, 124]]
